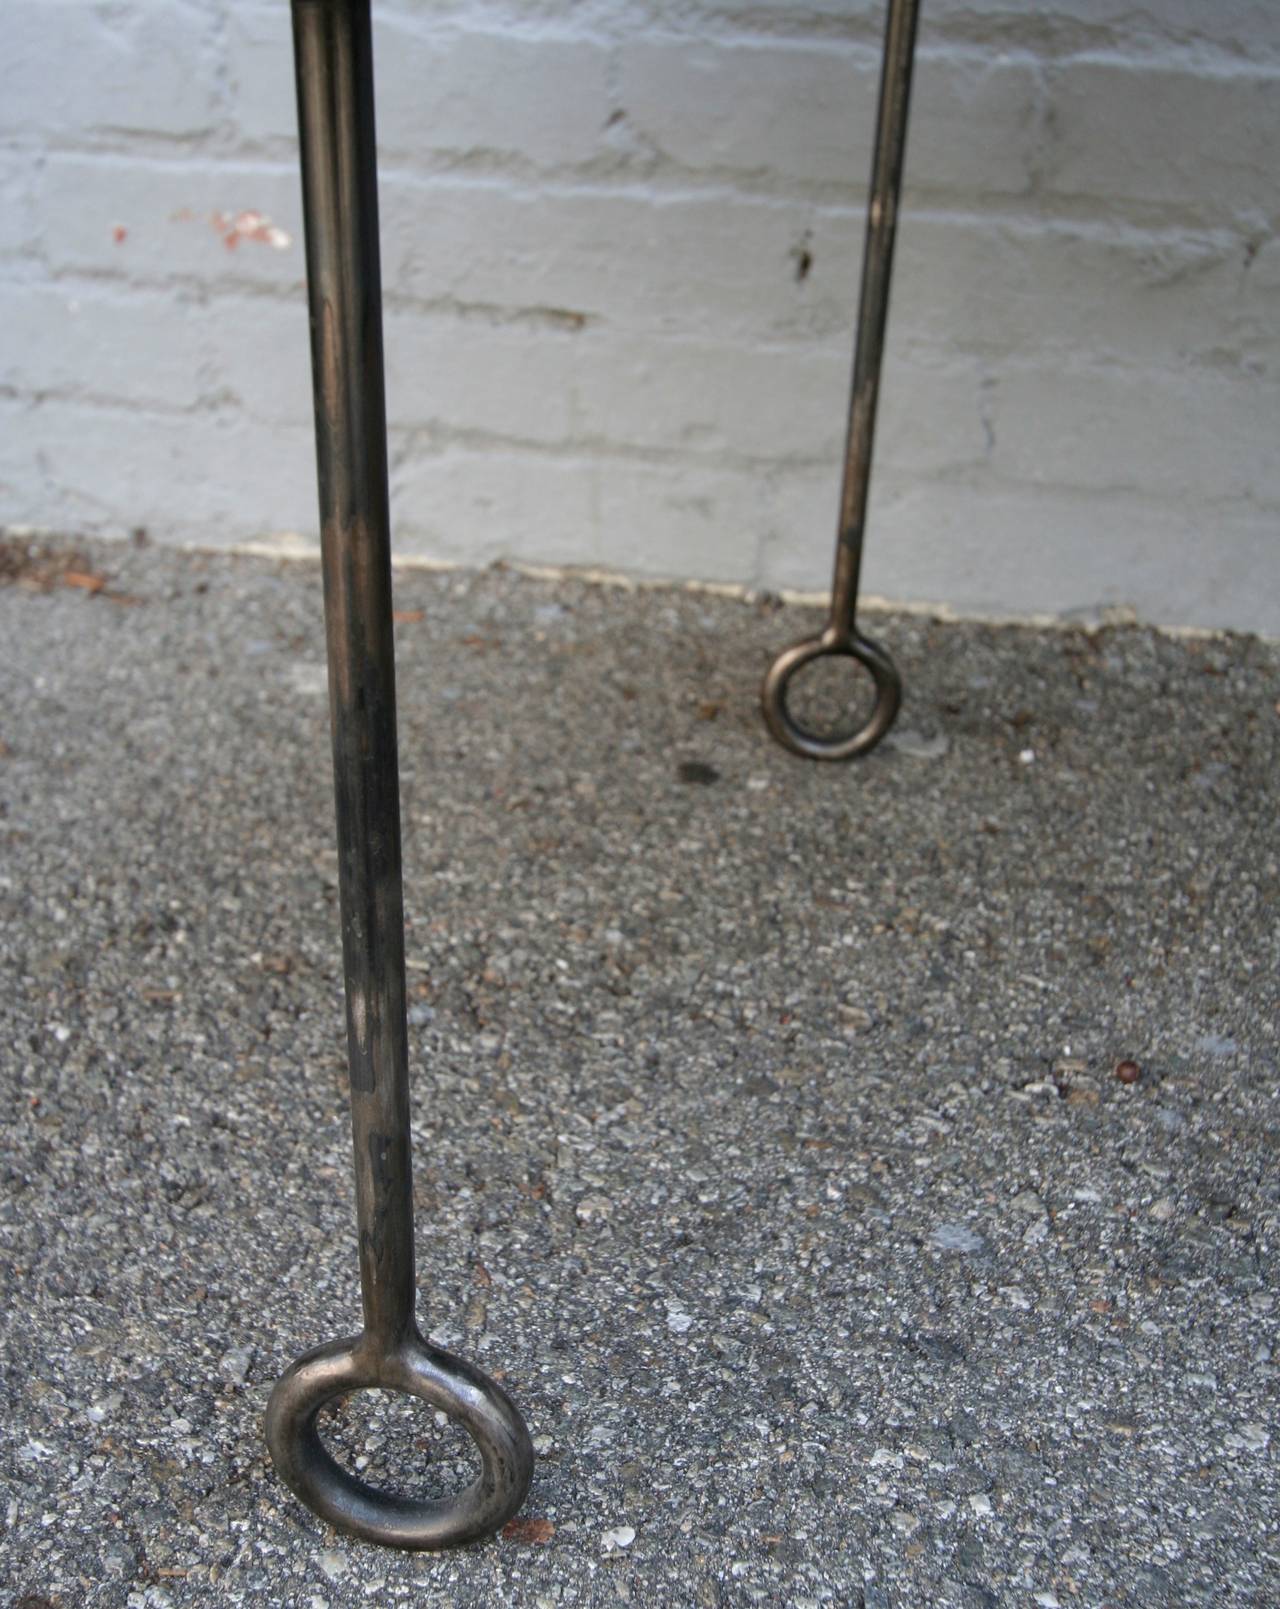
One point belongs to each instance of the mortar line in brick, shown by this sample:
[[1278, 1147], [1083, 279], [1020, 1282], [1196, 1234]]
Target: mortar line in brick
[[924, 354], [424, 446], [610, 24], [1105, 229], [1087, 212], [1002, 484], [1064, 35], [423, 442], [1189, 63]]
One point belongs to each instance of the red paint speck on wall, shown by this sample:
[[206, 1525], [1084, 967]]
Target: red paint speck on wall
[[249, 226]]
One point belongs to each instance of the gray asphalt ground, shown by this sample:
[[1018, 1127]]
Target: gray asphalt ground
[[768, 1140]]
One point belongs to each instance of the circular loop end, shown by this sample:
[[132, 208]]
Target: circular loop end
[[812, 745], [446, 1383]]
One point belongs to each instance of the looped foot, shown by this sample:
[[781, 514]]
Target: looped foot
[[447, 1383], [799, 739]]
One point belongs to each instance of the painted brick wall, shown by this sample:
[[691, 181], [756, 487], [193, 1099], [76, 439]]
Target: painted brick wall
[[621, 247]]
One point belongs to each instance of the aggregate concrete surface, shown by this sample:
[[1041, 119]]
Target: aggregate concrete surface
[[768, 1138]]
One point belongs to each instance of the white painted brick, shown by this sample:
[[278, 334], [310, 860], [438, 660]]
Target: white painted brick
[[700, 266], [809, 113], [697, 265], [1144, 302], [459, 376], [18, 229], [71, 67], [543, 101], [709, 398], [932, 419], [785, 17], [439, 90], [477, 506], [650, 262], [1210, 439], [774, 406], [1125, 132], [1247, 27], [987, 550], [263, 360], [215, 479], [474, 507], [143, 348], [467, 376], [972, 121], [676, 263], [454, 376], [658, 515], [616, 391], [598, 355], [701, 106], [264, 101], [169, 212], [25, 497], [612, 390]]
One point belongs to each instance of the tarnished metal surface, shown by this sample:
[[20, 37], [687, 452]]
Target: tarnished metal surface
[[841, 637], [333, 55]]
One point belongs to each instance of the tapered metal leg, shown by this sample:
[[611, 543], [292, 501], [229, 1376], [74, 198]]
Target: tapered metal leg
[[333, 54], [841, 637]]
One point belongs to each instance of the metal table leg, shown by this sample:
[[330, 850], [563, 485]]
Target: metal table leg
[[841, 637], [333, 54]]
